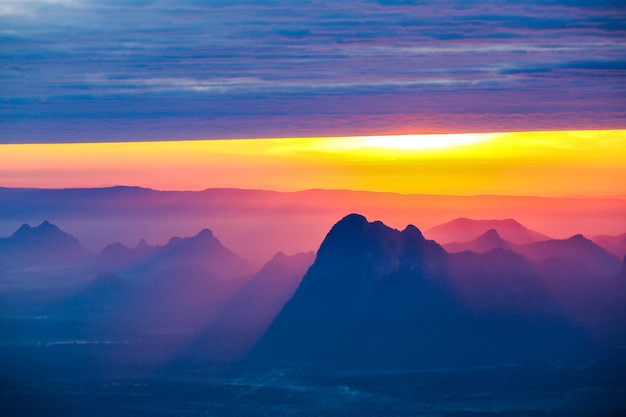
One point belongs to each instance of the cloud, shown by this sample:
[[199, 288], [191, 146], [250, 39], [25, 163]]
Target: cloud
[[192, 65]]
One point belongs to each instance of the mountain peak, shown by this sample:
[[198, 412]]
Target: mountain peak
[[491, 234], [24, 229], [413, 231], [491, 239], [204, 250], [27, 231], [205, 233], [45, 244], [352, 220], [174, 240], [578, 238], [377, 250], [466, 230], [280, 255], [488, 241]]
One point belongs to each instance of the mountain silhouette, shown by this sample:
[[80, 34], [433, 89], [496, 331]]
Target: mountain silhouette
[[183, 283], [486, 242], [379, 297], [42, 246], [117, 256], [576, 249], [297, 221], [203, 250], [465, 230], [579, 255]]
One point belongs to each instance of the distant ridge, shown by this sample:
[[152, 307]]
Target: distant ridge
[[486, 242], [465, 230], [576, 249], [203, 250], [614, 244], [242, 218]]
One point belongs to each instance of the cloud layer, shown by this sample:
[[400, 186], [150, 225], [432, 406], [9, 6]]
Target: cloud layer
[[152, 70]]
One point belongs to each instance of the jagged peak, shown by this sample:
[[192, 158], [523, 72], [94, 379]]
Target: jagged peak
[[413, 231], [46, 225], [23, 228], [205, 233], [511, 222], [280, 255], [115, 246], [578, 238], [350, 224], [352, 219], [491, 234], [142, 244], [27, 229]]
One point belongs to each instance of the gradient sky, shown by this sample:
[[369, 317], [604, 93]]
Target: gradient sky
[[579, 163], [136, 70]]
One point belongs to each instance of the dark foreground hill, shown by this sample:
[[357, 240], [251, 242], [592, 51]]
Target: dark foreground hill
[[378, 297]]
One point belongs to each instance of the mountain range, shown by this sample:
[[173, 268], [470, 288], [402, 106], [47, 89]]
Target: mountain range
[[576, 250], [464, 230], [372, 296], [293, 221], [379, 297], [43, 246]]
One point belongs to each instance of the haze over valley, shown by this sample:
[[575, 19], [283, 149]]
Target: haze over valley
[[486, 299]]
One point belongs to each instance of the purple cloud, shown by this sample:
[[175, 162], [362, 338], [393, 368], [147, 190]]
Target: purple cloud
[[155, 70]]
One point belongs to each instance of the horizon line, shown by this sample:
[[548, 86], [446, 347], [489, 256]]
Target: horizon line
[[137, 187]]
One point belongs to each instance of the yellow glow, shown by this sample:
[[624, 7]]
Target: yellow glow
[[416, 142], [583, 163]]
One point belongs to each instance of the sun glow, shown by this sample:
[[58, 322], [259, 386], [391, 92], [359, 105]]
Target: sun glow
[[417, 142], [565, 163]]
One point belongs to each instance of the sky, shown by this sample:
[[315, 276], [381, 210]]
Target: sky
[[141, 70], [549, 164]]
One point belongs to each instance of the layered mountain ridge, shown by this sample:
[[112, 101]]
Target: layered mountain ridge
[[378, 297], [372, 296]]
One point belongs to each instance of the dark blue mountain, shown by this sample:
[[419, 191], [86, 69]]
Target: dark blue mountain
[[378, 297], [42, 246]]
